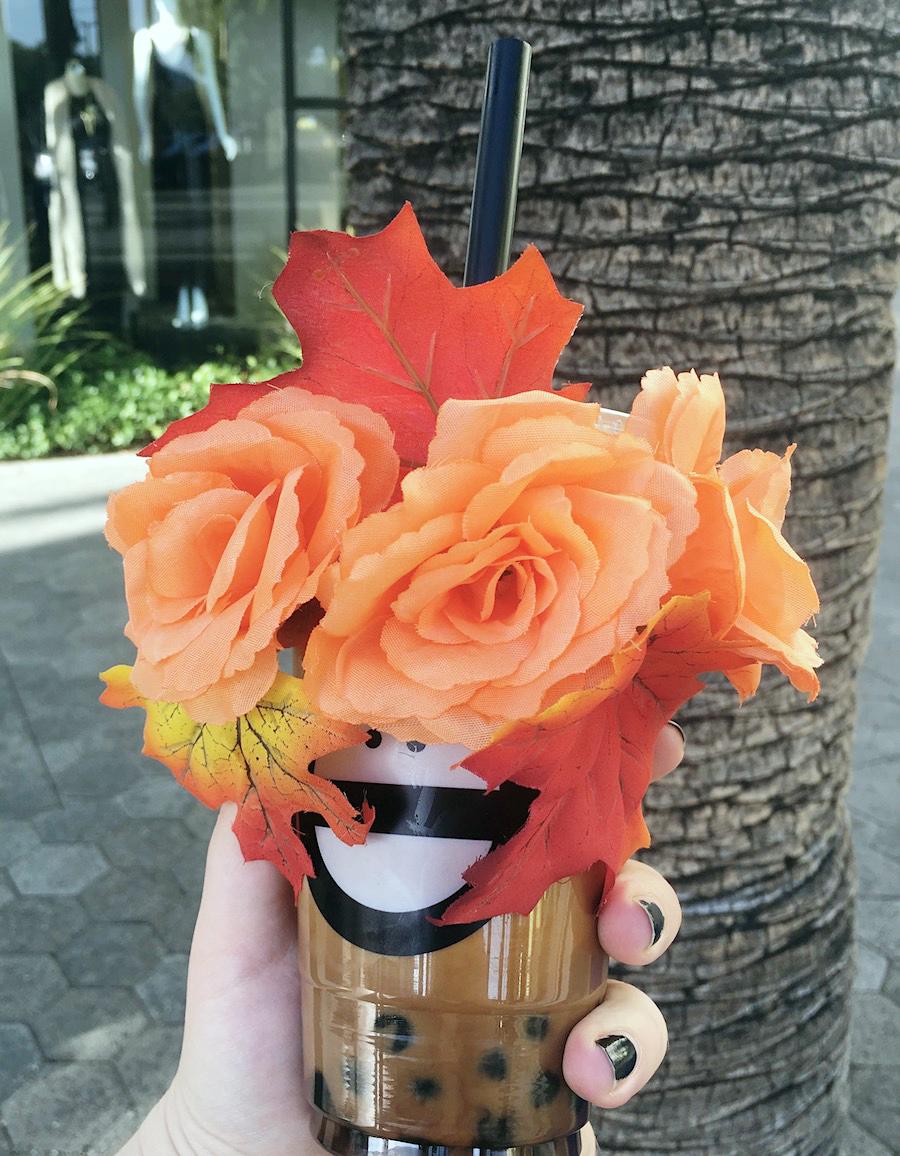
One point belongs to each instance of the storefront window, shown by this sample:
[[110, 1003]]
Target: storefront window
[[167, 145]]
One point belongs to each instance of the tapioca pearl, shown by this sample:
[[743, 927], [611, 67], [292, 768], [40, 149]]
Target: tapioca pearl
[[415, 746], [545, 1087], [495, 1131], [426, 1088], [493, 1065], [398, 1027], [322, 1097], [536, 1028], [374, 739]]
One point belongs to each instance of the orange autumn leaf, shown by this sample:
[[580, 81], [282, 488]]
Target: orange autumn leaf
[[260, 761], [380, 323], [571, 755], [591, 758]]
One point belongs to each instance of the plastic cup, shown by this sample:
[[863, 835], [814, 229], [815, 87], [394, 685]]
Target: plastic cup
[[419, 1037]]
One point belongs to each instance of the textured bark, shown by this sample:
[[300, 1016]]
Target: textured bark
[[718, 183]]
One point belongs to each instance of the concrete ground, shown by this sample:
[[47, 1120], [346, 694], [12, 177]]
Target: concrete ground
[[101, 853]]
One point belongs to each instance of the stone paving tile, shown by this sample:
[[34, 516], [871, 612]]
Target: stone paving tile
[[151, 895], [154, 843], [891, 985], [40, 924], [78, 820], [875, 1031], [111, 954], [156, 796], [147, 1064], [876, 1105], [65, 1109], [89, 1023], [16, 837], [871, 968], [20, 1057], [125, 1127], [26, 789], [59, 869], [200, 821], [858, 1142], [878, 924], [89, 764], [28, 983], [148, 895], [163, 990]]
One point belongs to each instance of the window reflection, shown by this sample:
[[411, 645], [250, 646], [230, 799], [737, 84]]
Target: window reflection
[[166, 146]]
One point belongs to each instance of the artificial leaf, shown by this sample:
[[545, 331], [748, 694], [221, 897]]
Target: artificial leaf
[[380, 324], [591, 758], [260, 761]]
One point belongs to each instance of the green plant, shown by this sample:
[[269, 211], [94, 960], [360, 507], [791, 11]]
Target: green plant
[[116, 398], [41, 335]]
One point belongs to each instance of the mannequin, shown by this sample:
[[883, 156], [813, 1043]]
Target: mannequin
[[86, 139], [181, 120]]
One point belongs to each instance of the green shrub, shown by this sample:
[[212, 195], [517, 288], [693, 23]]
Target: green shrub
[[117, 398], [42, 335]]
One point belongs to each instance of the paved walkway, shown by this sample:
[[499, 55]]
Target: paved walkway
[[101, 852]]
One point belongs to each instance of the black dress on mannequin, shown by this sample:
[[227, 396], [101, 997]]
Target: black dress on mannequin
[[183, 141], [98, 194]]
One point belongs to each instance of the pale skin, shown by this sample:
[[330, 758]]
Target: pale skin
[[238, 1087]]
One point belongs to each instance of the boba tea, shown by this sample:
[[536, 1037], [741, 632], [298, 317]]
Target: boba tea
[[412, 1030], [500, 596]]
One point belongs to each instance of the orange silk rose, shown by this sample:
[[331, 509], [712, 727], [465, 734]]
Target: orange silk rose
[[530, 548], [231, 531], [761, 592]]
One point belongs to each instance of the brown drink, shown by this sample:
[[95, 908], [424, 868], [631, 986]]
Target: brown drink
[[460, 1045]]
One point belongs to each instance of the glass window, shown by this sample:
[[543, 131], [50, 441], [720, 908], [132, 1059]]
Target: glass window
[[168, 145]]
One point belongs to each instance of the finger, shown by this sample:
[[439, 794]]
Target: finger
[[669, 750], [641, 916], [615, 1049]]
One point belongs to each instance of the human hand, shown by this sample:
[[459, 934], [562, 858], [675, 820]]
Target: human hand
[[239, 1084]]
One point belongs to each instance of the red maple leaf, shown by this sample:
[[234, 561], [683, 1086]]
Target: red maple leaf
[[591, 758], [380, 324]]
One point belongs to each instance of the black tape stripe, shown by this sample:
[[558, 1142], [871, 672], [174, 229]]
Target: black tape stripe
[[383, 932], [440, 812]]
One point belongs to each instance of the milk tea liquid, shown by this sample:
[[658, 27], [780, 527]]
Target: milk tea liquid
[[460, 1046]]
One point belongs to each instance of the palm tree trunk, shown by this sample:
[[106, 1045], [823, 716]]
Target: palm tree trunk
[[718, 183]]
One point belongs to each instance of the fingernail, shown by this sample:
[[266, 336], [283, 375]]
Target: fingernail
[[657, 920], [621, 1053], [673, 723]]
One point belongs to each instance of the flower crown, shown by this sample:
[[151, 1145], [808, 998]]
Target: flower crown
[[458, 552]]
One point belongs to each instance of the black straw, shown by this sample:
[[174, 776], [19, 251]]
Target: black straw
[[497, 163]]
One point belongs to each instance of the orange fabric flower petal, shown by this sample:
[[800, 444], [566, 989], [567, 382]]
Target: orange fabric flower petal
[[529, 548], [682, 418], [232, 531]]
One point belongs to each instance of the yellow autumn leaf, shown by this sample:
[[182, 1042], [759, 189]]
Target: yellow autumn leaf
[[261, 762]]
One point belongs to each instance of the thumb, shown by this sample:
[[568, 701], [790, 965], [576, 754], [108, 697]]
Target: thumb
[[242, 1034]]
